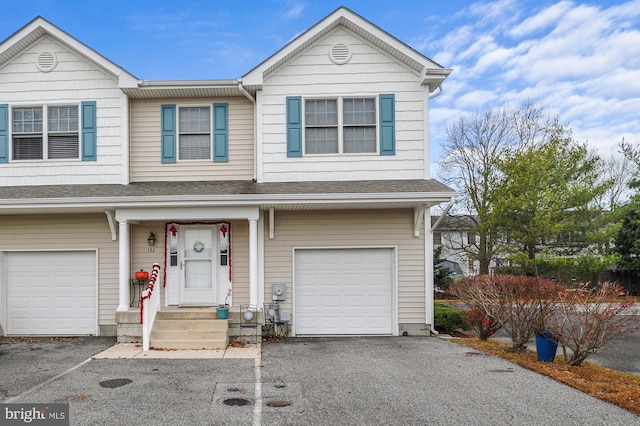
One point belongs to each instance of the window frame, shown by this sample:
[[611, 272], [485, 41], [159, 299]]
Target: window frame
[[179, 132], [45, 133], [340, 99]]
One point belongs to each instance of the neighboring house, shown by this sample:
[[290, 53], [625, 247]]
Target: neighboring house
[[454, 234], [312, 171]]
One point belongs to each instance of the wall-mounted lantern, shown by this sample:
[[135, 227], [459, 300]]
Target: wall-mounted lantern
[[152, 239]]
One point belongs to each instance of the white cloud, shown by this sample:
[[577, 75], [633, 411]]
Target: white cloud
[[541, 21], [581, 61], [294, 9]]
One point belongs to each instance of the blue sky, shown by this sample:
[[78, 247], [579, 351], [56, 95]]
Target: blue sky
[[580, 59]]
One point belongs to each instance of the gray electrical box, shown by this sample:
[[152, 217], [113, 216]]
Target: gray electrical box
[[285, 316], [278, 291]]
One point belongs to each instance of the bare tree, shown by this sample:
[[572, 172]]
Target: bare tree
[[618, 171], [473, 148]]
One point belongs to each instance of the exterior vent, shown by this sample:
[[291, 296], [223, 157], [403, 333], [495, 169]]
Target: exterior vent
[[340, 54], [46, 61]]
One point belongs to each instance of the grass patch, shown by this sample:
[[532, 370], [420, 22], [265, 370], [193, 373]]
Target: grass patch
[[615, 387]]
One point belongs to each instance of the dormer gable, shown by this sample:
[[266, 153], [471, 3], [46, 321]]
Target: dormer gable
[[39, 27], [432, 73]]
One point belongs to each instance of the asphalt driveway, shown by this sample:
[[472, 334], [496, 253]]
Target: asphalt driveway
[[321, 381]]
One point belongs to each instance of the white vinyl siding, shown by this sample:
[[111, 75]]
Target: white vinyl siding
[[75, 79], [146, 163], [369, 73], [350, 228]]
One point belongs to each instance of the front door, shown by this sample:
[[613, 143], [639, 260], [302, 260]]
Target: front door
[[198, 277]]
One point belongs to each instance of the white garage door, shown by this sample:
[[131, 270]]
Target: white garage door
[[343, 291], [51, 293]]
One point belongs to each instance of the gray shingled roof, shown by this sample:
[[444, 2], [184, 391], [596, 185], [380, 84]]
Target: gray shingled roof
[[222, 188]]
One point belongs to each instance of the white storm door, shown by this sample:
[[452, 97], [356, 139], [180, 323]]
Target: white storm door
[[197, 283]]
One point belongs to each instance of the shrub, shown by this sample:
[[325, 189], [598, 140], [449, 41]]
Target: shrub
[[447, 319], [481, 323], [513, 301], [587, 320]]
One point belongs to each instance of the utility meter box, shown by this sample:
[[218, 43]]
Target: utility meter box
[[285, 316], [278, 291]]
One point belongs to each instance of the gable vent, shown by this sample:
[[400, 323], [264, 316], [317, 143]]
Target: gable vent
[[340, 54], [46, 61]]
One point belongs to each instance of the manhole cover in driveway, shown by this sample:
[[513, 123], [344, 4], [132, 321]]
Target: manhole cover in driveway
[[236, 402], [115, 383], [279, 404]]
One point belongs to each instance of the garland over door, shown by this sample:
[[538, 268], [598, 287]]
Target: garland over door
[[51, 293], [344, 291]]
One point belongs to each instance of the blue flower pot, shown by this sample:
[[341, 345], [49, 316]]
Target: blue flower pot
[[546, 347], [223, 313]]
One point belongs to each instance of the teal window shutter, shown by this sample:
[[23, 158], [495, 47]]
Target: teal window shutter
[[294, 126], [89, 142], [220, 133], [387, 125], [168, 133], [4, 133]]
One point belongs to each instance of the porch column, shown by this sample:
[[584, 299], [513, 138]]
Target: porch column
[[253, 264], [124, 262]]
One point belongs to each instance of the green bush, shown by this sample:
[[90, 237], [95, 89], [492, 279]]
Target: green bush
[[448, 319]]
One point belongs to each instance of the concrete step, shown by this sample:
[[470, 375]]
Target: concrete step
[[187, 313], [191, 324], [190, 328], [189, 344]]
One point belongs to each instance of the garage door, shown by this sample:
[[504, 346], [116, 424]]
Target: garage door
[[345, 291], [51, 293]]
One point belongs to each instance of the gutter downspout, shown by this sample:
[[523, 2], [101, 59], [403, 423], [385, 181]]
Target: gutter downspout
[[255, 129]]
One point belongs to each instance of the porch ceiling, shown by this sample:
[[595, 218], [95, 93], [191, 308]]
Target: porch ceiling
[[279, 195]]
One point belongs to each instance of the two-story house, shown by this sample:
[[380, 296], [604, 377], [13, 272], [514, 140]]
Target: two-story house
[[311, 171]]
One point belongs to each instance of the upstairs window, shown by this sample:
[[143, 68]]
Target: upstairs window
[[194, 129], [45, 133], [63, 132], [27, 133], [359, 125], [346, 125], [321, 126], [190, 132], [340, 125]]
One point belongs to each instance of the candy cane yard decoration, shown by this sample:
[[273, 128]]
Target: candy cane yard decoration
[[148, 317]]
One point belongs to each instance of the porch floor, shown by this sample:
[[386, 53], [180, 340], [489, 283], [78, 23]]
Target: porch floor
[[134, 350]]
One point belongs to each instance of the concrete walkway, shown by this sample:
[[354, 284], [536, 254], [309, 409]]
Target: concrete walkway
[[134, 350]]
